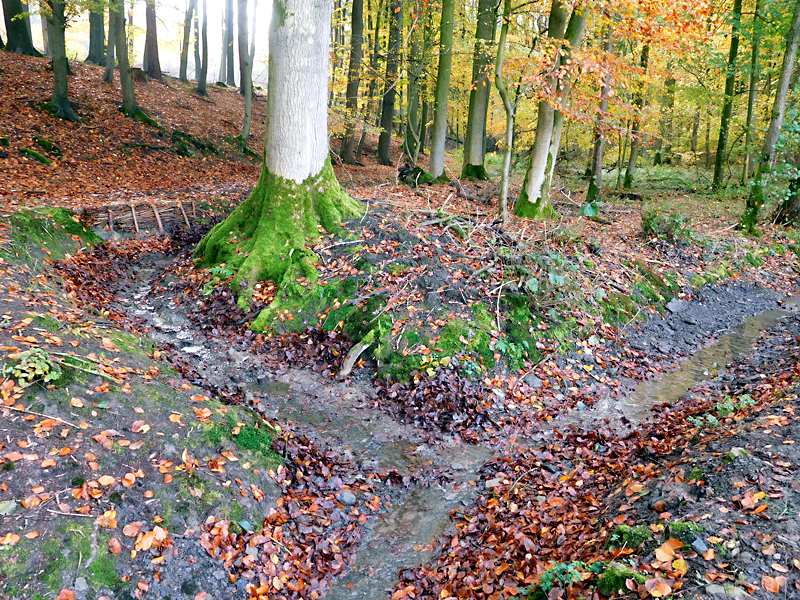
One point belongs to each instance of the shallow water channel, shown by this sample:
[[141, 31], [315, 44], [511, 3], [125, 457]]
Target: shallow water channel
[[342, 416]]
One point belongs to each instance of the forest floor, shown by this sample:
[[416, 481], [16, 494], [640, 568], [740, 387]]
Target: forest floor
[[556, 409]]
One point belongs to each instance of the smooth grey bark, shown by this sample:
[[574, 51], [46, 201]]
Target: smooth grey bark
[[187, 35], [108, 76], [752, 96], [223, 59], [596, 184], [510, 108], [755, 198], [348, 148], [418, 58], [573, 37], [97, 36], [47, 32], [60, 102], [475, 136], [390, 92], [638, 102], [247, 76], [371, 102], [151, 64], [439, 129], [533, 201], [19, 36], [229, 76], [695, 131], [241, 41], [727, 106], [202, 39], [129, 105]]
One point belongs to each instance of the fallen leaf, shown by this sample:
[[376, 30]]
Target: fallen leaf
[[114, 546]]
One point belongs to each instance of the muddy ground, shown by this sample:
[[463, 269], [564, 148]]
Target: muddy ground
[[187, 435]]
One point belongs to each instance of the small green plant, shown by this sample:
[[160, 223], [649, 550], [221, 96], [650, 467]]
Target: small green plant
[[667, 226], [561, 575], [219, 274], [32, 365]]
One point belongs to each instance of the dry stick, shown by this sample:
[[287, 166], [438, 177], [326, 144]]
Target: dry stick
[[183, 212], [194, 210], [58, 512], [158, 218], [135, 220], [30, 412], [110, 221]]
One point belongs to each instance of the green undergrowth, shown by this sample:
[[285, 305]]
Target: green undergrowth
[[45, 233]]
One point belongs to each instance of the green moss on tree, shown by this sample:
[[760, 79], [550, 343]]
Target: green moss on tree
[[35, 155], [265, 237], [477, 172]]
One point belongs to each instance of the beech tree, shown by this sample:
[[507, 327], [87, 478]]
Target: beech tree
[[201, 55], [59, 104], [390, 86], [17, 32], [265, 237], [191, 6], [347, 151], [727, 103], [475, 138], [151, 63], [97, 35], [439, 133], [108, 76]]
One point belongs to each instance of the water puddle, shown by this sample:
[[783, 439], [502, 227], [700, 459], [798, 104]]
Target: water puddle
[[707, 363]]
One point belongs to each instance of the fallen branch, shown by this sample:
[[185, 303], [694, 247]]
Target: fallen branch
[[30, 412]]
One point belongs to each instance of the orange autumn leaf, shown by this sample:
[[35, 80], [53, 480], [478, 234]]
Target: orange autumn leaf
[[106, 480], [709, 554], [114, 546], [772, 584], [108, 519], [132, 529], [66, 595]]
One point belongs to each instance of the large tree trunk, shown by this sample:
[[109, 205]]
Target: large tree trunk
[[97, 36], [187, 36], [264, 238], [203, 60], [347, 151], [47, 31], [752, 95], [755, 198], [108, 76], [727, 105], [19, 36], [60, 102], [534, 201], [151, 63], [596, 183], [373, 67], [441, 95], [229, 76], [241, 42], [129, 105], [223, 59], [416, 64], [475, 137], [390, 91], [638, 102]]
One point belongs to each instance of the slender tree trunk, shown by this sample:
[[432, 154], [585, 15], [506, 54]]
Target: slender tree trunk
[[223, 59], [202, 39], [265, 237], [129, 105], [596, 183], [47, 33], [752, 96], [248, 84], [755, 198], [439, 129], [416, 65], [573, 36], [727, 106], [187, 36], [60, 102], [510, 108], [637, 124], [19, 36], [534, 201], [475, 136], [151, 63], [241, 41], [353, 80], [371, 102], [390, 93], [423, 125], [695, 130], [97, 36], [108, 76], [230, 76]]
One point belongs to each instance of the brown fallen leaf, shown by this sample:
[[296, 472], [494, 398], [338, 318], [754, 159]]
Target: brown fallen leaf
[[780, 568], [132, 529], [772, 584], [709, 554], [114, 546]]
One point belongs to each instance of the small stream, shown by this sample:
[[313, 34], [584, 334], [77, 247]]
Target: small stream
[[342, 416]]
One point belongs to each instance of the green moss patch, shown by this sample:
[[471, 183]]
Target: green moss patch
[[612, 581]]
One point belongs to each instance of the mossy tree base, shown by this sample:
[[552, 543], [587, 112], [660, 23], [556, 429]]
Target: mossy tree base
[[62, 109], [755, 200], [476, 172], [265, 237], [540, 209]]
